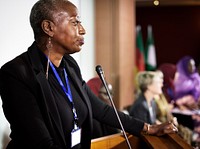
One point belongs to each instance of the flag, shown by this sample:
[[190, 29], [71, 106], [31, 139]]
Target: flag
[[150, 53], [140, 60]]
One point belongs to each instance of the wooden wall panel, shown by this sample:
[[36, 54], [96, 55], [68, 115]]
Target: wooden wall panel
[[115, 21]]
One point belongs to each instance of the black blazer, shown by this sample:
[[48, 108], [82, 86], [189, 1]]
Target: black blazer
[[140, 110], [32, 113]]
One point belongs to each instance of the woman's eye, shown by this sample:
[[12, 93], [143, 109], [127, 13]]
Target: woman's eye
[[75, 23]]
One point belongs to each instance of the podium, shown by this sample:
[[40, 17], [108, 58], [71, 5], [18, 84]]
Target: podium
[[117, 141]]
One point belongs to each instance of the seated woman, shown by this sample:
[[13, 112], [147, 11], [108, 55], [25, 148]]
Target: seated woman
[[165, 100], [187, 94], [169, 71], [150, 84], [99, 129], [187, 84]]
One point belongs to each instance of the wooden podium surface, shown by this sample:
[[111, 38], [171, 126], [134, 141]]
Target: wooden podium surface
[[117, 141]]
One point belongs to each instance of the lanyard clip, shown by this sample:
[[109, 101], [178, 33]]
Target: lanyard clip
[[75, 127]]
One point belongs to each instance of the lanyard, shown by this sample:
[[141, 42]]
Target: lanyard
[[66, 91]]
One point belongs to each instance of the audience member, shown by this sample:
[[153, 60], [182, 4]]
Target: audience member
[[187, 84], [100, 129], [163, 113], [187, 94], [168, 71], [144, 107]]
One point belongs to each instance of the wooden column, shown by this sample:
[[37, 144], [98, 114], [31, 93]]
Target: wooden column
[[115, 46]]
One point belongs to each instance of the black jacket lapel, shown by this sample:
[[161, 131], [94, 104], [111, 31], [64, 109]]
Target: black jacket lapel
[[79, 86], [50, 103], [74, 72], [47, 100]]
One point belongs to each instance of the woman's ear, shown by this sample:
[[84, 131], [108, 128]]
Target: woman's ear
[[47, 27]]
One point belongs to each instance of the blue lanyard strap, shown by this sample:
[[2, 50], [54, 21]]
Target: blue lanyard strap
[[66, 91]]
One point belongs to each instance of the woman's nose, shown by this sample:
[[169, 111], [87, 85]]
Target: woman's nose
[[81, 30]]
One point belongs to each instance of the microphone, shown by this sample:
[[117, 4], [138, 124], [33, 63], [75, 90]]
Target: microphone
[[100, 72]]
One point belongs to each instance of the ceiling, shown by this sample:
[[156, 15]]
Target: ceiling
[[167, 2]]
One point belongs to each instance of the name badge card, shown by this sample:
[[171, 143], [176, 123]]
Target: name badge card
[[75, 137]]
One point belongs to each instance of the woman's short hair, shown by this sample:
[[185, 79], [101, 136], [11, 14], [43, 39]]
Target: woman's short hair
[[44, 10], [146, 78]]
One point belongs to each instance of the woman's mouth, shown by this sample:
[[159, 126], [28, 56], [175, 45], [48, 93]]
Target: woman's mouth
[[81, 42]]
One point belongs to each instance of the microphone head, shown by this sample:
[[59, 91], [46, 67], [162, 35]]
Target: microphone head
[[99, 70]]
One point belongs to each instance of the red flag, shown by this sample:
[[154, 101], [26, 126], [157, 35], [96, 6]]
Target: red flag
[[140, 60]]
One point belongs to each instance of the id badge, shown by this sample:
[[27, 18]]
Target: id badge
[[75, 137]]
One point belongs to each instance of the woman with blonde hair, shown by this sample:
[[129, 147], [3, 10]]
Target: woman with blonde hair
[[150, 83]]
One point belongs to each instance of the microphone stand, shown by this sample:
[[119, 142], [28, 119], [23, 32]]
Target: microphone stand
[[101, 75]]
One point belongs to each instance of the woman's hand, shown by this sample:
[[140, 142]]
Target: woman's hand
[[161, 129]]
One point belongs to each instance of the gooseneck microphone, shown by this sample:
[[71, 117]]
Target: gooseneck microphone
[[100, 72]]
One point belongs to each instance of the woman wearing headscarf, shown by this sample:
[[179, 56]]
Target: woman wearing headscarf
[[168, 70], [187, 92], [186, 83]]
